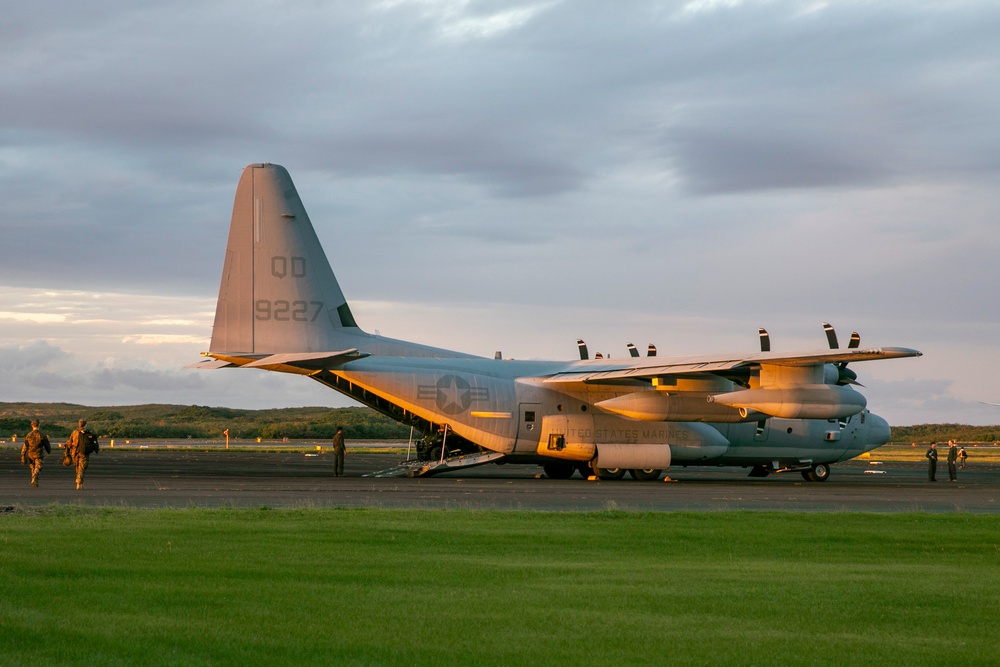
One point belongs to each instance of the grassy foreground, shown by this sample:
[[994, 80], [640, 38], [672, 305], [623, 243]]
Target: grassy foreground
[[375, 587]]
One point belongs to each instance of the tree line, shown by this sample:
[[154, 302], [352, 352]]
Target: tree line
[[944, 433], [196, 421]]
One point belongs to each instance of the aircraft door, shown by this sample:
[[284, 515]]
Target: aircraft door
[[529, 427]]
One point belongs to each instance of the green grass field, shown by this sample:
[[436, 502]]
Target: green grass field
[[376, 587]]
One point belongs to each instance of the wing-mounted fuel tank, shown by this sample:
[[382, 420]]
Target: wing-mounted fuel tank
[[796, 392], [679, 399]]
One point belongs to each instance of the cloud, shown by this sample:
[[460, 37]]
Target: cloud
[[18, 361]]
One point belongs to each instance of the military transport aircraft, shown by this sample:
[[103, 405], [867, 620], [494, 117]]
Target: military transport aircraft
[[281, 309]]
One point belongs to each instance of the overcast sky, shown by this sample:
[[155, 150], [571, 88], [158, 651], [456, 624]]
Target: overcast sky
[[508, 176]]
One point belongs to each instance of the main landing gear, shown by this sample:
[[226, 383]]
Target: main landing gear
[[564, 470], [815, 473]]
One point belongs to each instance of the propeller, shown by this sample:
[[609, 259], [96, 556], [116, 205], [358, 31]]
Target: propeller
[[847, 376], [584, 355], [765, 340], [634, 352]]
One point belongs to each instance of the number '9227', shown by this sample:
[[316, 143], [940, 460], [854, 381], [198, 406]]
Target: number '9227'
[[287, 311]]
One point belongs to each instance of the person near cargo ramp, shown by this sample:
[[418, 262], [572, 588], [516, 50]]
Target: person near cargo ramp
[[952, 461], [338, 452], [35, 447], [81, 444], [932, 457]]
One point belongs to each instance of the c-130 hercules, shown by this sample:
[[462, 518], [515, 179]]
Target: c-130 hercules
[[281, 309]]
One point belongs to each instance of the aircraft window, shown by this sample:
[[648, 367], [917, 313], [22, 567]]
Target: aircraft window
[[529, 415], [583, 408], [789, 429], [559, 407]]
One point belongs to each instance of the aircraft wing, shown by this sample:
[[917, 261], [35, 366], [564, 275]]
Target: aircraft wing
[[648, 367]]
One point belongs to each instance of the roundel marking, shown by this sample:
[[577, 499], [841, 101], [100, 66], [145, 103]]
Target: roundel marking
[[453, 395]]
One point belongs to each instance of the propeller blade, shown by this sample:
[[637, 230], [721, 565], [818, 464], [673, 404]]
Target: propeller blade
[[651, 350], [855, 341], [584, 355], [847, 376], [831, 336], [632, 351], [765, 340]]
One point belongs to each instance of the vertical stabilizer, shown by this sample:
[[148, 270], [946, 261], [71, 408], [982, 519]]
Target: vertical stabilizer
[[278, 292]]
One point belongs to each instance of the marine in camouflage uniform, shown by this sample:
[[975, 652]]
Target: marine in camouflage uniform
[[35, 447], [338, 452], [81, 444]]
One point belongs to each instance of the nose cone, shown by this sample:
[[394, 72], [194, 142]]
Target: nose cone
[[878, 431]]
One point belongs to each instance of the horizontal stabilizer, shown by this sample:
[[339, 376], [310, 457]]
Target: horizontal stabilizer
[[210, 364], [310, 361]]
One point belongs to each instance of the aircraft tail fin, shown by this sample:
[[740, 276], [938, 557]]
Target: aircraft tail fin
[[278, 293]]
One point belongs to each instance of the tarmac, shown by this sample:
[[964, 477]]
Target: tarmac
[[181, 478]]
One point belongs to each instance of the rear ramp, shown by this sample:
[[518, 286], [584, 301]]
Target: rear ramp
[[428, 468]]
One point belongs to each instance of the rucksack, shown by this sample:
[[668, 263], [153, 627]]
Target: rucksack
[[91, 446]]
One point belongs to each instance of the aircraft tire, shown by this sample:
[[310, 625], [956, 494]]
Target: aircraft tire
[[759, 471], [645, 475], [609, 473], [559, 470], [818, 473], [435, 453]]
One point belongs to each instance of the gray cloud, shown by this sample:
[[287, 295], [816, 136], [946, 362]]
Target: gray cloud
[[17, 361]]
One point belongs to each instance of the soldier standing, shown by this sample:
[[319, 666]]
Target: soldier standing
[[338, 452], [932, 463], [35, 447], [962, 455], [81, 444], [952, 461]]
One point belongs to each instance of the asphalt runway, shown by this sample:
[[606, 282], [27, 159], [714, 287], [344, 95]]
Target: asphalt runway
[[186, 478]]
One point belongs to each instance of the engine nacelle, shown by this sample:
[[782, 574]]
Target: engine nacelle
[[816, 401]]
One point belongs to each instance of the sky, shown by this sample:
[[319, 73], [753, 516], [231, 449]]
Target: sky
[[508, 176]]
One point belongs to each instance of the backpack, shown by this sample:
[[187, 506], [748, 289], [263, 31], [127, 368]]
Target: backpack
[[91, 445]]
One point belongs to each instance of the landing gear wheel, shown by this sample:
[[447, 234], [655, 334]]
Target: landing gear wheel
[[435, 453], [559, 470], [609, 473], [818, 473], [759, 471], [645, 475]]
